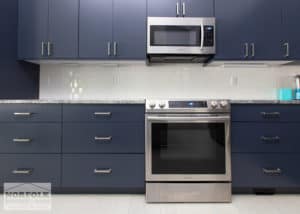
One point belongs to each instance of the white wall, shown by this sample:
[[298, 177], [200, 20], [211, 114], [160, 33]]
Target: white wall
[[136, 80]]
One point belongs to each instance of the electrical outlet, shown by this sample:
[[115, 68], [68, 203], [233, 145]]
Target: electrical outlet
[[234, 81]]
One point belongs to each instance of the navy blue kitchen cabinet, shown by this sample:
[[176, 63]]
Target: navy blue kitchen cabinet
[[48, 29], [181, 8], [30, 168], [95, 29], [291, 41], [104, 173], [129, 34], [166, 8], [33, 29], [265, 148], [198, 8], [112, 29], [249, 30], [103, 138], [63, 28]]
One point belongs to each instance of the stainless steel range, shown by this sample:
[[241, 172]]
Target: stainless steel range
[[188, 151]]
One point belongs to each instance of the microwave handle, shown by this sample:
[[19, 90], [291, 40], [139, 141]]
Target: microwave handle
[[202, 36]]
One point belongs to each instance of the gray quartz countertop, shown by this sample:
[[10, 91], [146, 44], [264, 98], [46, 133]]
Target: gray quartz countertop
[[100, 101], [264, 102], [133, 101]]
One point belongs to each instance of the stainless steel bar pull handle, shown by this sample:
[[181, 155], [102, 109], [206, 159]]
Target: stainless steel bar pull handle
[[287, 51], [102, 113], [253, 49], [266, 139], [22, 171], [272, 171], [22, 114], [246, 46], [177, 9], [109, 138], [183, 9], [103, 171], [115, 48], [21, 140], [43, 49], [108, 48], [49, 47], [270, 115]]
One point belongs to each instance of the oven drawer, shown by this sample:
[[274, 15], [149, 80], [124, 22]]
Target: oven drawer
[[103, 171], [265, 137], [30, 138], [104, 138], [30, 168], [265, 113], [265, 170], [103, 113], [30, 113]]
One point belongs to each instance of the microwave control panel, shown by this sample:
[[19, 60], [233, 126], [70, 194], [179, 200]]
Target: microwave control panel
[[209, 37]]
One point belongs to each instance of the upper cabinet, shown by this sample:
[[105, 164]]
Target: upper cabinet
[[257, 30], [181, 8], [48, 29], [248, 29], [112, 29], [290, 29], [33, 29]]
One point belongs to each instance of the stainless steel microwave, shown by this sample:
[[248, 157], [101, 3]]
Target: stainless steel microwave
[[181, 38]]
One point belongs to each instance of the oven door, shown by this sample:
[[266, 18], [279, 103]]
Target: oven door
[[188, 148], [179, 35]]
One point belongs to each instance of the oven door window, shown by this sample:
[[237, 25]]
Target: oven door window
[[175, 36], [188, 148]]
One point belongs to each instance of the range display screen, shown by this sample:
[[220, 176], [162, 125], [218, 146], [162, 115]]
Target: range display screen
[[187, 104]]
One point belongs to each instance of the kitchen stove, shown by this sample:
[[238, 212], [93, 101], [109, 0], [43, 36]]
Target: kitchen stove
[[188, 151]]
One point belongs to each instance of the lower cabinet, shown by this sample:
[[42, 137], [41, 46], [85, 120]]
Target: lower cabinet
[[103, 173], [265, 148], [30, 168], [265, 170]]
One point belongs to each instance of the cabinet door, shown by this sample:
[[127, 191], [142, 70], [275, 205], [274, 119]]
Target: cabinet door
[[232, 28], [63, 28], [163, 8], [265, 29], [197, 8], [33, 28], [291, 28], [95, 29], [129, 30]]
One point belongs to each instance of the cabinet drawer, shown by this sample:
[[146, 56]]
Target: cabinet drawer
[[103, 138], [265, 170], [30, 138], [30, 168], [265, 137], [30, 113], [265, 113], [103, 113], [103, 171]]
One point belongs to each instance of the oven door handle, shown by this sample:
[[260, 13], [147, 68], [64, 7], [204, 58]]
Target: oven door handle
[[189, 119]]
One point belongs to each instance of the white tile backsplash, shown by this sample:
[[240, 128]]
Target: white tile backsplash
[[136, 80]]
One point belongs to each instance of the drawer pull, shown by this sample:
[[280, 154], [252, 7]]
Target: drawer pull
[[22, 114], [22, 171], [103, 138], [270, 115], [103, 171], [266, 139], [272, 171], [102, 113], [21, 140]]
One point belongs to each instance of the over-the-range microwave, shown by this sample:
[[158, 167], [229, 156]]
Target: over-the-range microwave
[[183, 39]]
